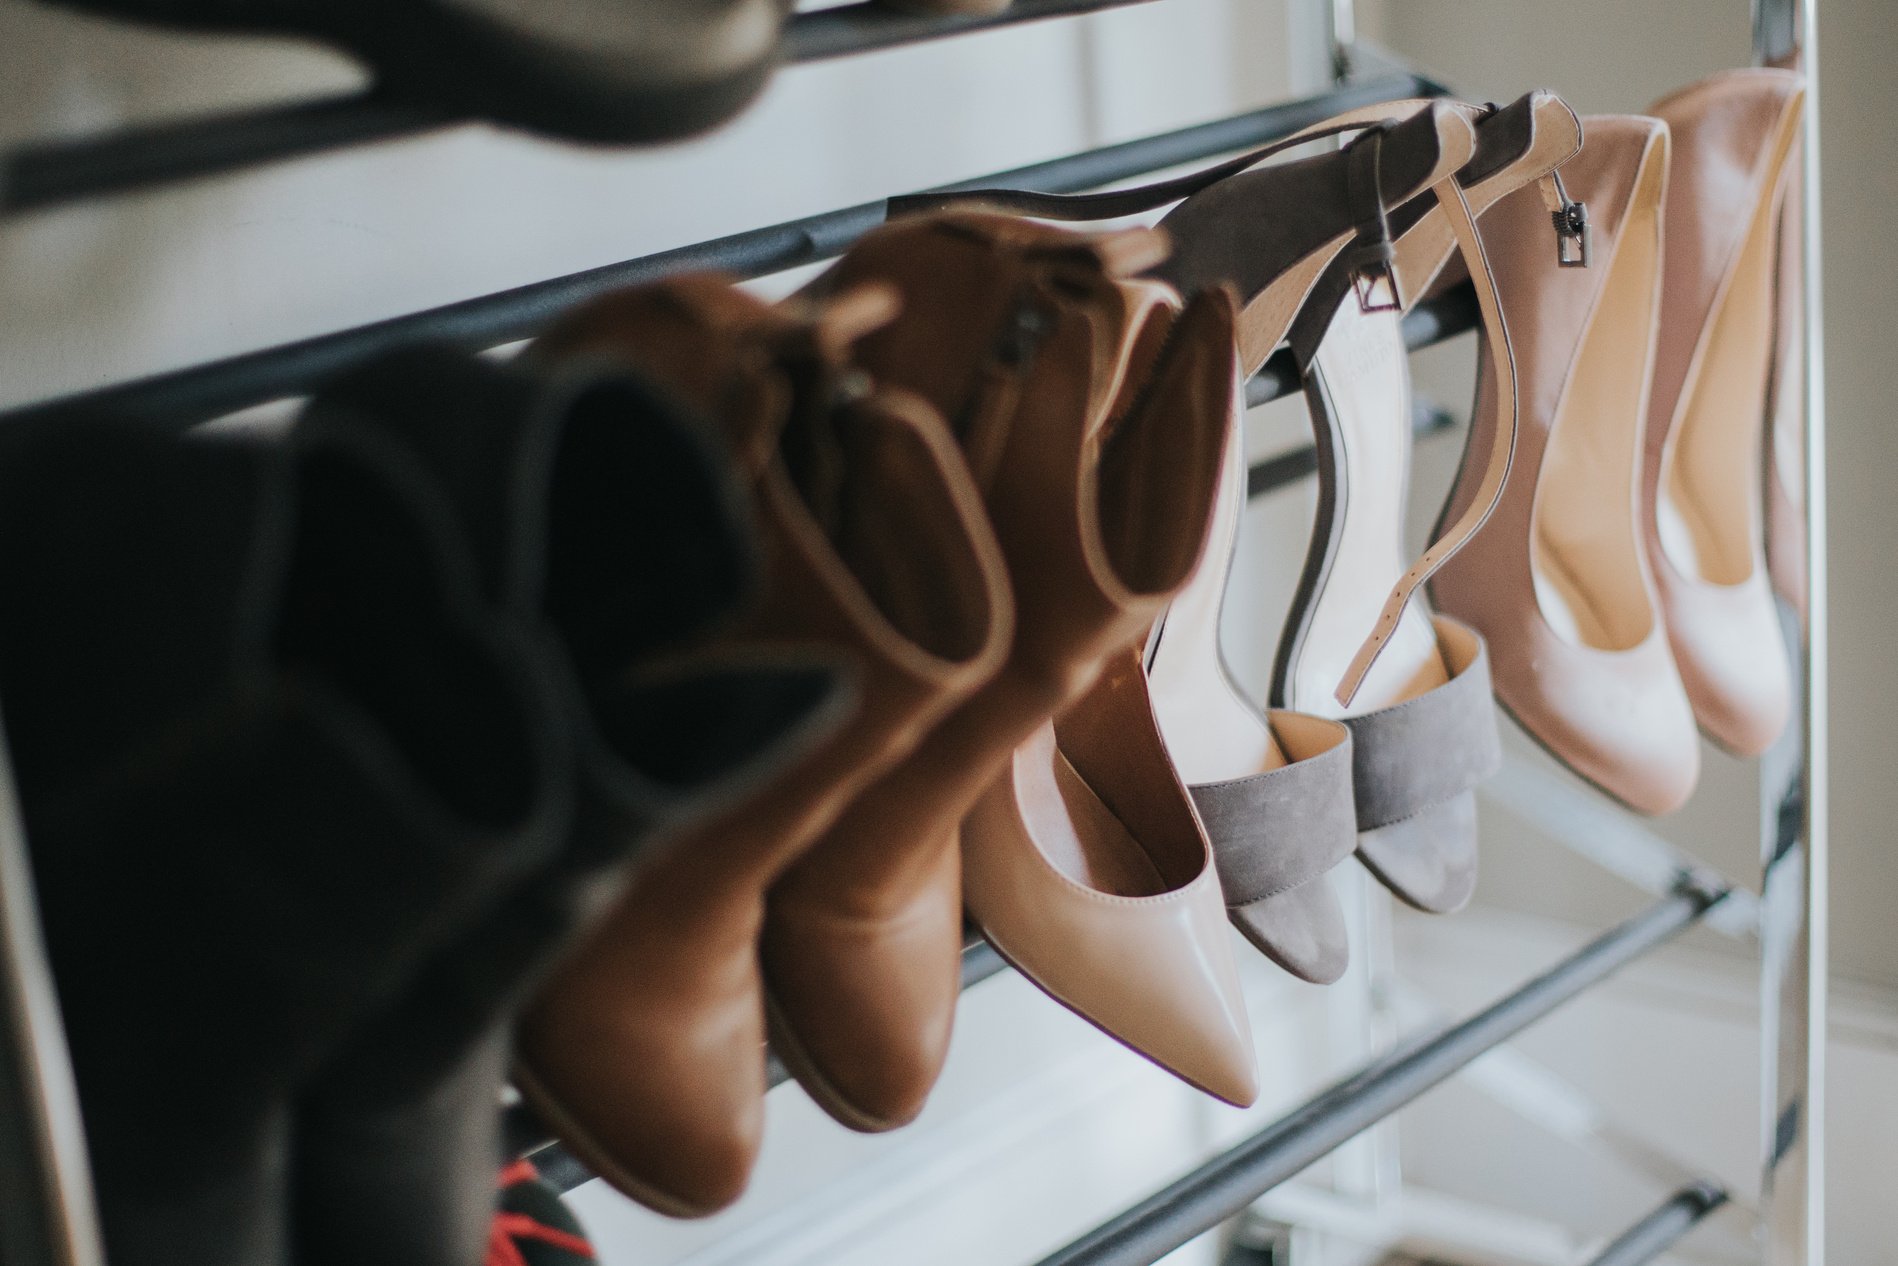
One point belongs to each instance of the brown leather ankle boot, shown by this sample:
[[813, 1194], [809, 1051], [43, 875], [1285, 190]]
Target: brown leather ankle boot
[[646, 1052], [1100, 491]]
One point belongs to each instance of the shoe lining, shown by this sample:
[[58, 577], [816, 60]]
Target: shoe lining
[[1708, 510], [363, 612], [1584, 551], [642, 553]]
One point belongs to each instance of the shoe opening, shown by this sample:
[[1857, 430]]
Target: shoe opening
[[364, 613], [645, 541]]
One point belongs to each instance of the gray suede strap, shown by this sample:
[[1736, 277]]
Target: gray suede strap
[[1274, 831], [1426, 750]]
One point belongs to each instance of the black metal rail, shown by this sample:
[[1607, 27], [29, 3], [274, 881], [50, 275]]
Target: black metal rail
[[1227, 1184], [45, 174], [185, 397], [1663, 1228], [526, 1136]]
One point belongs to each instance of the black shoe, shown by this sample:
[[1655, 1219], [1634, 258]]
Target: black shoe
[[271, 749], [534, 1227], [603, 517], [612, 71]]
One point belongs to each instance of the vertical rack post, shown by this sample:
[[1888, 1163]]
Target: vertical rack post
[[1793, 776], [47, 1215], [1341, 36]]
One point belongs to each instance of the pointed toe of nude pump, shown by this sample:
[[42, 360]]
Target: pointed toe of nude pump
[[1087, 869], [885, 985]]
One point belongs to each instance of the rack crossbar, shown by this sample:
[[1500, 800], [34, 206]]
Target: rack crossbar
[[45, 174], [1223, 1187], [1663, 1228], [185, 397]]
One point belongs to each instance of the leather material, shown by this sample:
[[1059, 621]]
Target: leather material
[[646, 1051], [589, 70], [1092, 416], [1275, 261], [1086, 867], [1415, 767], [1600, 691], [1733, 134]]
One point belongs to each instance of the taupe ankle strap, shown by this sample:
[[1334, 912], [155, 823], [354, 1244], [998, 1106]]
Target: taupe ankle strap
[[1502, 451]]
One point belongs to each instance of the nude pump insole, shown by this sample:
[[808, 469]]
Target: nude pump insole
[[1584, 551], [1358, 386], [1088, 843], [1708, 512]]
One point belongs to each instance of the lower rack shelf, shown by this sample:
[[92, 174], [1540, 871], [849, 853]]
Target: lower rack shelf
[[1225, 1185]]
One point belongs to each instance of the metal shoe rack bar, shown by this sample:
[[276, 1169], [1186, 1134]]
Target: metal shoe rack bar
[[42, 1168]]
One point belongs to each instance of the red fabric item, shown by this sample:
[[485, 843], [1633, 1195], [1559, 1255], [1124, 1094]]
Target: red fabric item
[[502, 1250], [518, 1226]]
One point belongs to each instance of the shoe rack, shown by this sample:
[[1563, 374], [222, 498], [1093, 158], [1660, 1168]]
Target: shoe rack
[[1783, 910]]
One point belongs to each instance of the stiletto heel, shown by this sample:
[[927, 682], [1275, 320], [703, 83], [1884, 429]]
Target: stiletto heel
[[1733, 134]]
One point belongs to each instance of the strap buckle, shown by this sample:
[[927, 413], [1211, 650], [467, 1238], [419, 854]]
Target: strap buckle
[[1374, 277], [1574, 238]]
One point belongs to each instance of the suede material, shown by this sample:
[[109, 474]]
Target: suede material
[[1414, 767], [1233, 245], [1427, 749], [1301, 929], [241, 866], [1428, 859], [1275, 836], [1286, 827]]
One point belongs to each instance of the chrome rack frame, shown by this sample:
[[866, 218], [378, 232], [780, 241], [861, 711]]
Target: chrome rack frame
[[42, 1165], [48, 174]]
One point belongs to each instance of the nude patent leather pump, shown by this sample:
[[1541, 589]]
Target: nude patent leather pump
[[1733, 134], [1558, 582]]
